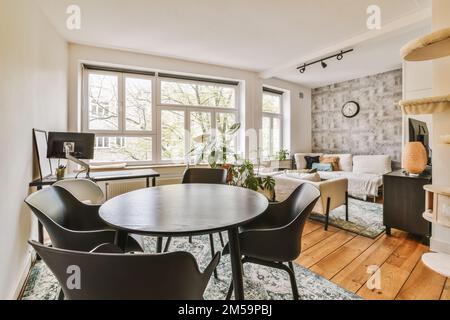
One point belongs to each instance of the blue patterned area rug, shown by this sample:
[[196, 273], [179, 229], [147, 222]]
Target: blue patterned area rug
[[260, 283], [365, 218]]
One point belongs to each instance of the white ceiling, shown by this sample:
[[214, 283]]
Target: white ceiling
[[256, 35], [371, 57]]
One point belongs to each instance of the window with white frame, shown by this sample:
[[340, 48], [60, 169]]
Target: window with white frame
[[192, 112], [272, 123], [150, 118]]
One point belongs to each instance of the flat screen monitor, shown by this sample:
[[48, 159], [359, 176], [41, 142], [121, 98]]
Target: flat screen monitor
[[418, 132], [81, 145]]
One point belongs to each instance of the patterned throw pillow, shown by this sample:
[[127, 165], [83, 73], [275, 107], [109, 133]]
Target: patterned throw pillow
[[310, 160], [323, 166], [334, 161]]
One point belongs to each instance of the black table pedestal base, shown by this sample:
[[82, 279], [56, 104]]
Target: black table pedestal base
[[236, 263], [121, 240]]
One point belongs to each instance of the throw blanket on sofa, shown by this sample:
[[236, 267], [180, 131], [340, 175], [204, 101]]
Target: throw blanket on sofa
[[360, 185]]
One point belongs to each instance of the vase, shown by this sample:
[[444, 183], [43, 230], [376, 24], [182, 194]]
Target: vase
[[60, 172]]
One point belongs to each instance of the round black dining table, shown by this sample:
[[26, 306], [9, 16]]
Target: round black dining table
[[186, 210]]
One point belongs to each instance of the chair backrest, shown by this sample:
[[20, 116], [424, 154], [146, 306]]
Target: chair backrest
[[84, 190], [69, 222], [53, 205], [112, 276], [205, 175], [294, 211]]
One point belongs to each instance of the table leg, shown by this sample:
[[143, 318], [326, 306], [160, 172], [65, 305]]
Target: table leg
[[159, 243], [147, 182], [121, 239], [153, 182], [388, 231], [346, 206], [40, 231], [236, 263]]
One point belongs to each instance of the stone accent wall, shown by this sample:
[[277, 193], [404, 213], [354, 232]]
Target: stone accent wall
[[377, 129]]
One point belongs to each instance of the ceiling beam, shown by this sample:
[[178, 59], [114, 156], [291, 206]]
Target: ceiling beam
[[389, 28]]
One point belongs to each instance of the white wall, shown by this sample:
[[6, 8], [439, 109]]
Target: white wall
[[440, 240], [33, 94], [299, 113]]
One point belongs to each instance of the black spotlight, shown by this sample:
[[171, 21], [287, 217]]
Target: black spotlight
[[324, 65], [302, 69]]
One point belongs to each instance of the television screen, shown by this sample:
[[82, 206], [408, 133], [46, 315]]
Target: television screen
[[418, 131]]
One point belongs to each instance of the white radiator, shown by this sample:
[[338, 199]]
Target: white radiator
[[114, 189]]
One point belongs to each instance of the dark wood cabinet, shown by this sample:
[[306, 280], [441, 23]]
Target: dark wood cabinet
[[404, 203]]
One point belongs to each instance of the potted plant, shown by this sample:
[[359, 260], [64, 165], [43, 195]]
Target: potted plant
[[216, 152], [281, 160], [60, 172], [214, 149], [243, 175]]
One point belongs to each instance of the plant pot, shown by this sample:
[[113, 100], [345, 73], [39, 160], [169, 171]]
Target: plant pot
[[228, 166], [60, 172], [281, 164]]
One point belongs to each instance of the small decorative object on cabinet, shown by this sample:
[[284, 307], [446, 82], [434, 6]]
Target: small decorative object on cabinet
[[437, 211], [415, 158], [404, 203]]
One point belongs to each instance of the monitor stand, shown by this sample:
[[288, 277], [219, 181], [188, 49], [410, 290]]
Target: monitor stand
[[86, 167]]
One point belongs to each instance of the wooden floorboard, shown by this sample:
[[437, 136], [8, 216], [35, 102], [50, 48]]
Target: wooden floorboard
[[423, 284], [329, 266], [319, 251], [311, 226], [355, 275], [446, 292], [395, 271], [344, 258], [316, 237]]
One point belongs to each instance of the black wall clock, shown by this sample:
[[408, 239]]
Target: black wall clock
[[350, 109]]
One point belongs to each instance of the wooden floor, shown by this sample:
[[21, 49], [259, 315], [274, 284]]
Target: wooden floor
[[343, 258]]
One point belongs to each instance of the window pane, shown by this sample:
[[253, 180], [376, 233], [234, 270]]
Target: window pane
[[271, 103], [224, 121], [265, 143], [276, 136], [103, 102], [194, 94], [138, 104], [114, 149], [172, 135], [200, 129]]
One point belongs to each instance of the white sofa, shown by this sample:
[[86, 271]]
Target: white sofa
[[364, 173]]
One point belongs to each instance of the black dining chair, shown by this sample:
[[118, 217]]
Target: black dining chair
[[107, 274], [208, 176], [71, 224], [274, 238]]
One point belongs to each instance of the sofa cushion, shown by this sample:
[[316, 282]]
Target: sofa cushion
[[334, 161], [345, 161], [300, 161], [322, 166], [372, 164], [310, 161]]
